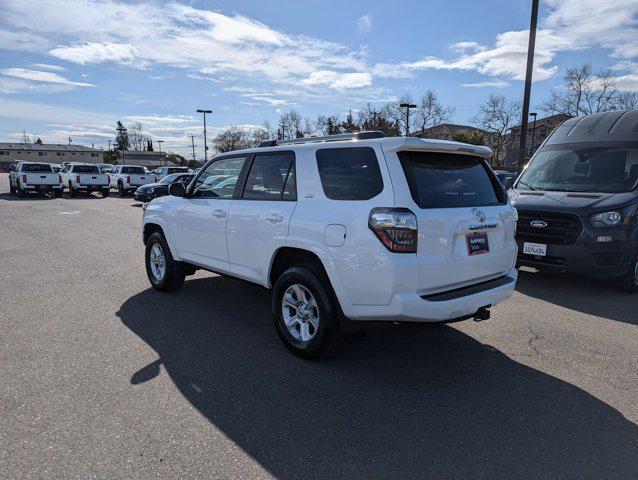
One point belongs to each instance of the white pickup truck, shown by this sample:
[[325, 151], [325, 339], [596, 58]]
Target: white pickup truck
[[127, 178], [34, 177], [85, 177]]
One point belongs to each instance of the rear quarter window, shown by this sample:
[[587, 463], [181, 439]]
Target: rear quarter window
[[349, 173], [447, 180]]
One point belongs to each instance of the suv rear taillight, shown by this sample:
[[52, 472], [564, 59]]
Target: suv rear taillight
[[395, 227]]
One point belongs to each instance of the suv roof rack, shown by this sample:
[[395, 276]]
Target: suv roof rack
[[367, 135]]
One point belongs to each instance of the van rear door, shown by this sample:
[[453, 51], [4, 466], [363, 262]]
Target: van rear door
[[465, 224]]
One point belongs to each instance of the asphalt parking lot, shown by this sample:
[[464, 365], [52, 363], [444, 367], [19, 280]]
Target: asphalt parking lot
[[101, 376]]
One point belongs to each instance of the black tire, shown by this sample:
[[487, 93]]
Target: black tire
[[120, 189], [21, 193], [173, 277], [57, 193], [629, 281], [72, 191], [328, 312], [105, 192]]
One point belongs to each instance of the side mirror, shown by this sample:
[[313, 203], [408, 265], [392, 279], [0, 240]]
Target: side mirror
[[177, 189], [509, 181]]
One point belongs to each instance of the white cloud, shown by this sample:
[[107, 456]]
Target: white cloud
[[96, 53], [339, 81], [490, 84], [570, 25], [22, 41], [364, 24], [43, 77], [47, 66]]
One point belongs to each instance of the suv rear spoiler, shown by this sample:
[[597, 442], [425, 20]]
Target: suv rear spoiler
[[431, 145]]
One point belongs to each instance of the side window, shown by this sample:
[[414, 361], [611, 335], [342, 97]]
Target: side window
[[268, 177], [218, 180], [349, 173]]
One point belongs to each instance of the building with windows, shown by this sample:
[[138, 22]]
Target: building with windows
[[47, 152]]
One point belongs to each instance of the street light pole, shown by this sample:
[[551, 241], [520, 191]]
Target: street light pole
[[407, 107], [204, 112], [522, 147], [193, 145], [531, 148]]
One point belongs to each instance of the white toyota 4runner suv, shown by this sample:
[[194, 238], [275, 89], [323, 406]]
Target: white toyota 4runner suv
[[343, 229]]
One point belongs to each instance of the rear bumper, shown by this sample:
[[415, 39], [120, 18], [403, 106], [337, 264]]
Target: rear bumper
[[603, 260], [413, 308], [91, 188], [41, 188]]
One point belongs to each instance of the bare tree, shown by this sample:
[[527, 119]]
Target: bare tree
[[136, 136], [431, 112], [236, 137], [290, 125], [586, 92], [498, 115], [627, 100], [383, 119]]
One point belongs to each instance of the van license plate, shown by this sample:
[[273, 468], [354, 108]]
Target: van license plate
[[538, 249], [477, 243]]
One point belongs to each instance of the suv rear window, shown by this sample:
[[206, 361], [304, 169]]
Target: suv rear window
[[36, 167], [85, 169], [448, 180], [134, 170], [349, 173]]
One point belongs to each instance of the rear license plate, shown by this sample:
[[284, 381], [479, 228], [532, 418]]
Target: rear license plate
[[477, 243], [538, 249]]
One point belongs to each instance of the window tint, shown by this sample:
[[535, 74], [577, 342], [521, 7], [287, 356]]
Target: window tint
[[177, 169], [36, 167], [349, 173], [268, 176], [444, 180], [133, 170], [218, 180], [85, 169]]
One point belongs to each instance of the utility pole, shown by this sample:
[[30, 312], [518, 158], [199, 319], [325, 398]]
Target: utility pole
[[193, 145], [522, 147], [204, 112], [159, 142], [407, 107]]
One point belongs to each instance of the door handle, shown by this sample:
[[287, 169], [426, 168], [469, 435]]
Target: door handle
[[274, 218], [219, 213]]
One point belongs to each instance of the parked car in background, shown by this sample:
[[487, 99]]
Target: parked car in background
[[146, 193], [57, 168], [506, 178], [128, 178], [161, 172], [31, 177], [343, 229], [577, 200], [85, 177], [106, 167]]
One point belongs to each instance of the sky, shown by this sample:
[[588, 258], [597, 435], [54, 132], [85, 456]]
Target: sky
[[72, 68]]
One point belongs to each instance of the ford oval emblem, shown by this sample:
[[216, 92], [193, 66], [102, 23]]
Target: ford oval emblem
[[480, 215], [538, 223]]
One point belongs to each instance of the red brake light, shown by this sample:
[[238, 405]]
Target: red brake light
[[128, 179], [396, 228], [59, 178], [24, 179], [77, 178], [108, 177]]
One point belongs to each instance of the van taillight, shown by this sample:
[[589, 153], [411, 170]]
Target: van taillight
[[128, 179], [24, 179], [396, 228]]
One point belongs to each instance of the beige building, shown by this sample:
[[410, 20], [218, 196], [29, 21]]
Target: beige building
[[142, 159], [46, 152]]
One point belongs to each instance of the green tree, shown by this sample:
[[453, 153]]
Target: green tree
[[121, 138], [473, 137]]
